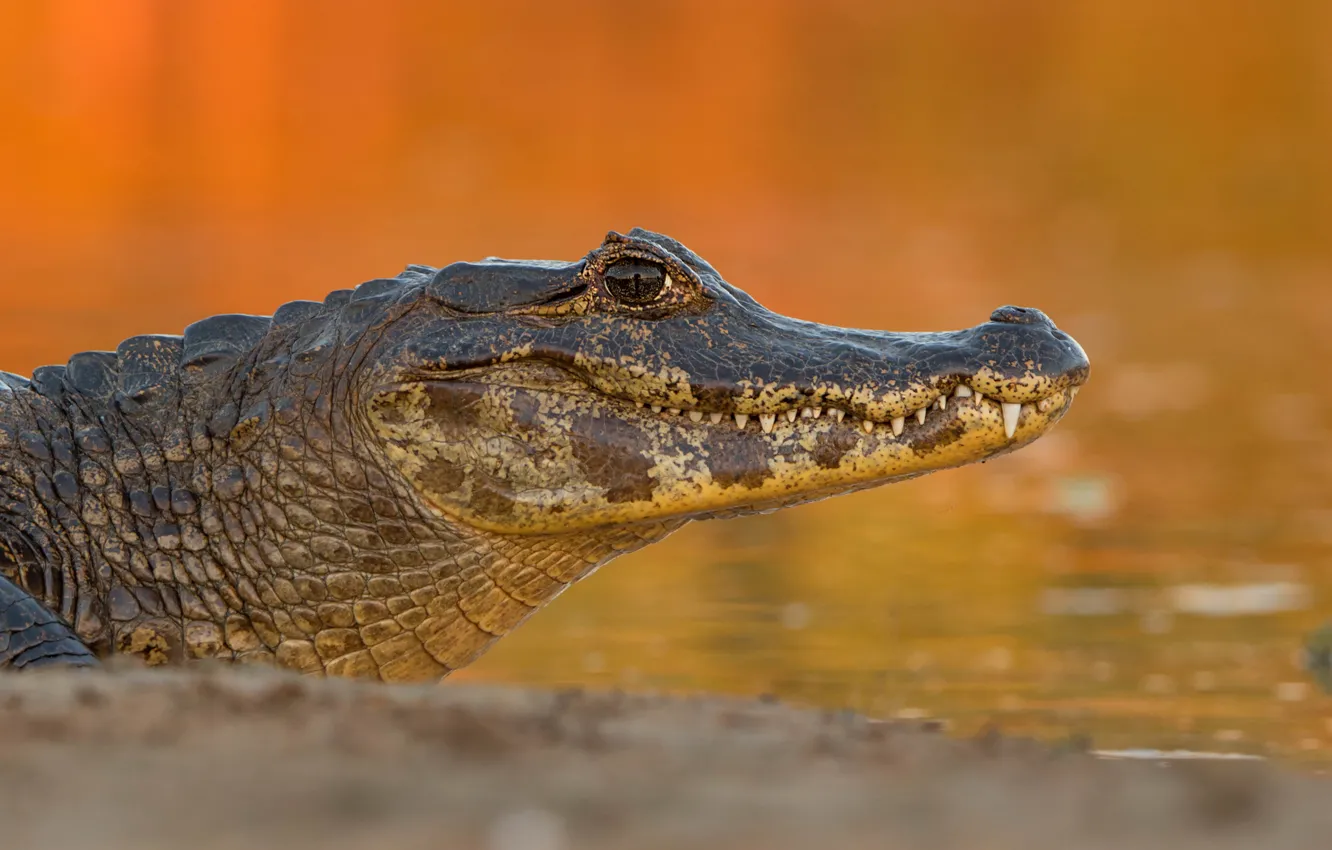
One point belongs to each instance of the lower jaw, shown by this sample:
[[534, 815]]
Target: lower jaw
[[956, 436], [726, 471]]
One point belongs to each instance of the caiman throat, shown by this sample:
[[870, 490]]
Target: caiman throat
[[383, 483]]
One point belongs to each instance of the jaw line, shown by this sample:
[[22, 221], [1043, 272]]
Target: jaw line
[[967, 429], [1034, 420]]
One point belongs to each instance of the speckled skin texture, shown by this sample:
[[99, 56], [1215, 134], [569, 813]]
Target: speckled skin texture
[[383, 483]]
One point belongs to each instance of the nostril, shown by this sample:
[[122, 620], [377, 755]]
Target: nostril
[[1020, 316]]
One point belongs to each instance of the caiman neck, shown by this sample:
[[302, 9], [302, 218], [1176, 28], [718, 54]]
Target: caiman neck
[[342, 568]]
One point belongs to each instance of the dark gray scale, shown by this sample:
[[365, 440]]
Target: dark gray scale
[[92, 374], [146, 364], [495, 285], [296, 312], [369, 303], [148, 376], [376, 288], [315, 336], [14, 382], [219, 341], [148, 371], [49, 381], [305, 316], [337, 297], [416, 273]]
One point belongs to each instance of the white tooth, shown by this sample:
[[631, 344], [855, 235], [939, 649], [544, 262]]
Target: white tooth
[[741, 419], [1011, 412], [837, 413], [674, 411], [656, 408], [868, 426], [791, 415], [962, 391], [715, 418], [980, 397], [638, 404], [920, 416], [766, 420], [818, 411], [696, 415], [941, 402], [899, 422], [1074, 391], [806, 413]]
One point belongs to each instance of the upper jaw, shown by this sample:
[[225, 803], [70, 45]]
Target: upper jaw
[[893, 423], [869, 378]]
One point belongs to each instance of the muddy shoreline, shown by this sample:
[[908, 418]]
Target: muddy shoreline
[[231, 758]]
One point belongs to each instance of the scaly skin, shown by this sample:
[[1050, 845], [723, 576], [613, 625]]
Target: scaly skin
[[383, 484]]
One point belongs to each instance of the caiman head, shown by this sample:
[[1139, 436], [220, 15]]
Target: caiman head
[[635, 386], [519, 424]]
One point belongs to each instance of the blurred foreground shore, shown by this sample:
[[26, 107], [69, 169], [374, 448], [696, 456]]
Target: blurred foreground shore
[[223, 758]]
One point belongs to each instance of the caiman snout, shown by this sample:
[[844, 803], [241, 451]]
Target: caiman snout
[[1039, 347]]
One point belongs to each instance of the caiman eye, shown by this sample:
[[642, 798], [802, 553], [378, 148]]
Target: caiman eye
[[635, 282]]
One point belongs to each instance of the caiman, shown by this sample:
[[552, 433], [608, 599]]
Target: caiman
[[382, 483]]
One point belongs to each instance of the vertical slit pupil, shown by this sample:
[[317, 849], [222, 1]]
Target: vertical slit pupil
[[634, 282]]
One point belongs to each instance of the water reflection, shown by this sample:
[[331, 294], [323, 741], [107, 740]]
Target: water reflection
[[1210, 600], [1028, 622], [1207, 600]]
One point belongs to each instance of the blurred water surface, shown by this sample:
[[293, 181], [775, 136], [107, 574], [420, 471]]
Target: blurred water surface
[[1154, 175]]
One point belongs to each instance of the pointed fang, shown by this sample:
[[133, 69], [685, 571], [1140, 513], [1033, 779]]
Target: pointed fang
[[1011, 412]]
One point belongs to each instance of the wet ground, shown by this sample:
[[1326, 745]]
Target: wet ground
[[238, 758]]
